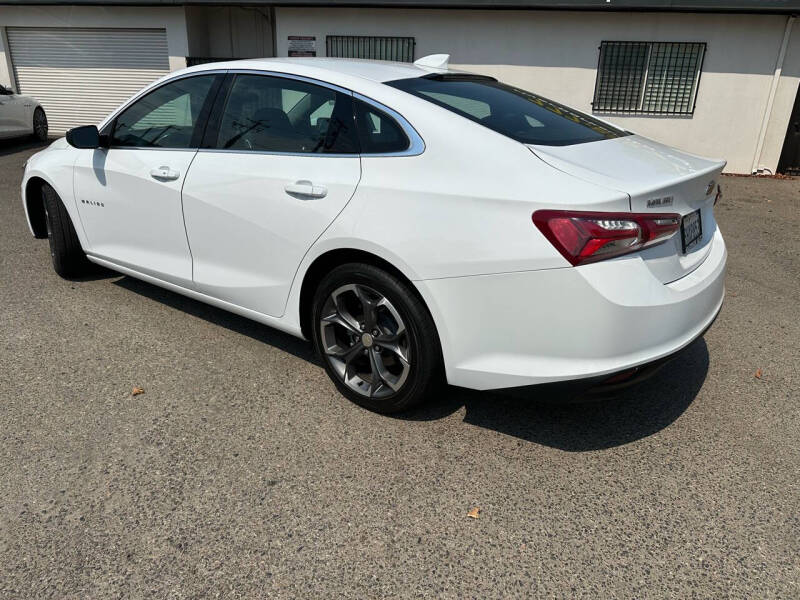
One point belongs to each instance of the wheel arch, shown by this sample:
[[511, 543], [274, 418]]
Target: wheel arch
[[34, 206], [339, 256]]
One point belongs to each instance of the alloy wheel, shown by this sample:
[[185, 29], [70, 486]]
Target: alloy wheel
[[40, 124], [365, 341]]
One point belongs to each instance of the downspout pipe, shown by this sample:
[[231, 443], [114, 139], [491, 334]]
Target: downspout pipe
[[776, 79]]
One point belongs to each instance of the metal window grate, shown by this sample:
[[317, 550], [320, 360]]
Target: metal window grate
[[374, 47], [648, 77]]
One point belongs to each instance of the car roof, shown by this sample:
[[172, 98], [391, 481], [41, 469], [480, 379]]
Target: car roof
[[335, 70], [364, 76]]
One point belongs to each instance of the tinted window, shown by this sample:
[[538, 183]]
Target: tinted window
[[273, 114], [377, 131], [518, 114], [166, 117]]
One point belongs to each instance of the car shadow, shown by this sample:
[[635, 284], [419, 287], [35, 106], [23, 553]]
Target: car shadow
[[583, 423], [223, 318], [14, 145], [549, 418], [95, 272]]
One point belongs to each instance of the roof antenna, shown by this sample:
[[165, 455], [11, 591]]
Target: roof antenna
[[433, 61]]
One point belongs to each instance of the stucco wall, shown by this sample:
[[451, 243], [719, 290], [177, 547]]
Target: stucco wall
[[172, 19], [783, 103], [555, 54]]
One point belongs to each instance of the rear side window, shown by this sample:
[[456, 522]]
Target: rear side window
[[378, 133], [520, 115], [167, 117], [275, 114]]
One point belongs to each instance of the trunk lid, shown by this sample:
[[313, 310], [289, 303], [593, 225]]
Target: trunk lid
[[657, 179]]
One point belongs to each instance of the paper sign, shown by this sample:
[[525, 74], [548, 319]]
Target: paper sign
[[302, 45]]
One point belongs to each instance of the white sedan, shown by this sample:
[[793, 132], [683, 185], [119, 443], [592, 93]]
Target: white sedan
[[21, 116], [416, 223]]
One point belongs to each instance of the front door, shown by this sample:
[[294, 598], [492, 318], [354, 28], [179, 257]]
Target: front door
[[280, 165], [14, 113], [129, 195]]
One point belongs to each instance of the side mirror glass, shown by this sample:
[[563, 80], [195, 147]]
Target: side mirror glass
[[84, 137]]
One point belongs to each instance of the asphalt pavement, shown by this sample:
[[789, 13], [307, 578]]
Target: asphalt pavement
[[241, 473]]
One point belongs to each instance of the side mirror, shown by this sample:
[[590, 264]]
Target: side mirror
[[4, 91], [85, 137]]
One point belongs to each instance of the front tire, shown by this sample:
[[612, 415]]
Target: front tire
[[40, 126], [376, 338], [69, 260]]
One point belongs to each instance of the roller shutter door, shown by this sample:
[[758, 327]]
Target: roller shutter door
[[80, 75]]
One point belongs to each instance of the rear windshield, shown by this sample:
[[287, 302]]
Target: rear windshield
[[518, 114]]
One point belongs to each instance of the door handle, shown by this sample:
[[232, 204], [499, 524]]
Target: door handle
[[164, 173], [304, 189]]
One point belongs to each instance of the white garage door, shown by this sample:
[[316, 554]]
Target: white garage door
[[81, 75]]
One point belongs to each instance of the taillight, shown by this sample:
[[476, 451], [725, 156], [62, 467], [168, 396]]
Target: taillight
[[584, 237]]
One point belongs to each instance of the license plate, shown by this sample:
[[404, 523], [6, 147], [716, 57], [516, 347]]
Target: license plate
[[691, 230]]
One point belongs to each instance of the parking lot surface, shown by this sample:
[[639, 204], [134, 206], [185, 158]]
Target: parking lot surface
[[241, 473]]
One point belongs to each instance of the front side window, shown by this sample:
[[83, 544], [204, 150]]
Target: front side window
[[273, 114], [515, 113], [648, 77], [166, 117]]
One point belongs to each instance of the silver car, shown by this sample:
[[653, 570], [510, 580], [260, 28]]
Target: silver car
[[21, 116]]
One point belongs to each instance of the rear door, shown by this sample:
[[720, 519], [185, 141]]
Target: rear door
[[280, 161], [129, 195]]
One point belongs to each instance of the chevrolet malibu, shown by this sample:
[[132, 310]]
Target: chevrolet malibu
[[414, 222]]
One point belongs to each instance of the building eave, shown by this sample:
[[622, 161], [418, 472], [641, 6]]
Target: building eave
[[722, 6]]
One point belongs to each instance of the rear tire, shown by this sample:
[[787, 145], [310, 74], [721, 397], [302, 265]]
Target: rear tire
[[376, 338], [40, 126], [69, 260]]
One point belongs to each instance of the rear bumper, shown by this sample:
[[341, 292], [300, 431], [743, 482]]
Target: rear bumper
[[601, 386], [557, 325]]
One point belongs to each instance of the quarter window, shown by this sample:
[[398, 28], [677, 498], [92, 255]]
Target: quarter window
[[166, 117], [273, 114], [378, 133], [648, 77]]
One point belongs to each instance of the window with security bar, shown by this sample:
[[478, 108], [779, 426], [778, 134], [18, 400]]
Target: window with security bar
[[657, 78], [373, 47]]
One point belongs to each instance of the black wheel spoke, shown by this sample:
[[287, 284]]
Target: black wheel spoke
[[384, 375], [348, 356], [376, 382], [395, 348], [368, 305]]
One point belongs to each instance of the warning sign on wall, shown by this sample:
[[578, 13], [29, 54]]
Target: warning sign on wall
[[302, 45]]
